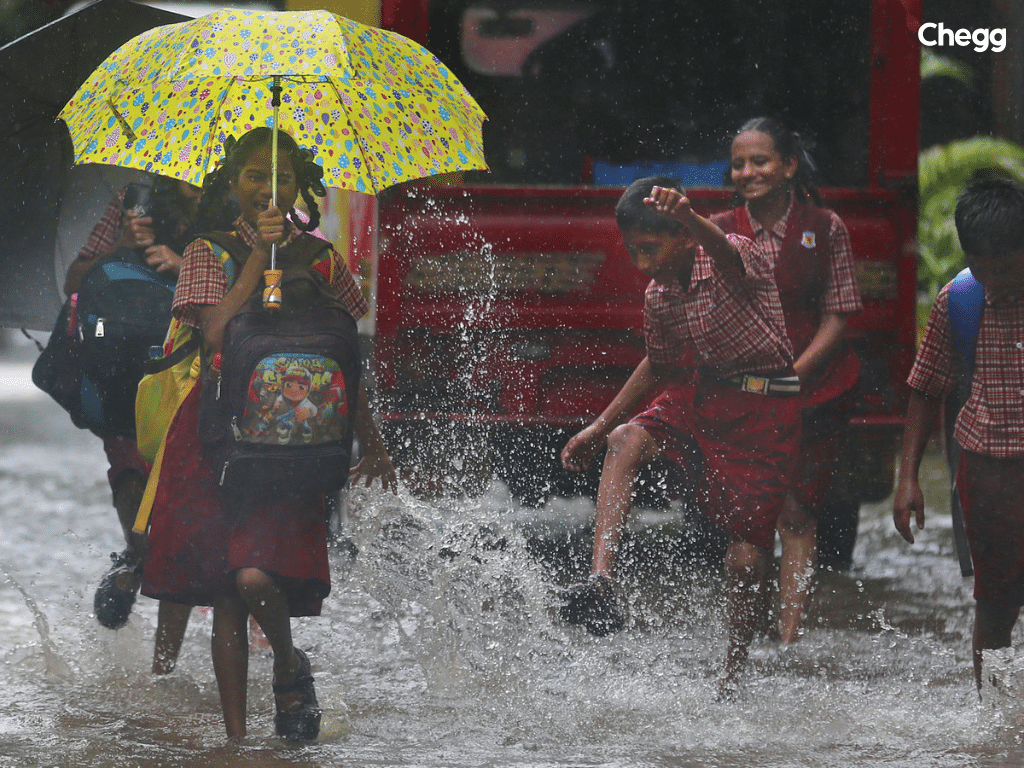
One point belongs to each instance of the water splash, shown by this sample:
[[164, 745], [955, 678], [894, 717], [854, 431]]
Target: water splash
[[56, 667]]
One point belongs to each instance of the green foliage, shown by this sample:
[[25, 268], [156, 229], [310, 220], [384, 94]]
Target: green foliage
[[933, 65], [943, 171]]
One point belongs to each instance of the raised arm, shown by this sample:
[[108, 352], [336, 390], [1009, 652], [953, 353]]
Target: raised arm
[[674, 205], [272, 228]]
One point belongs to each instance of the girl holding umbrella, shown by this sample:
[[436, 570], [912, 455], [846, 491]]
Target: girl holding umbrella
[[271, 561]]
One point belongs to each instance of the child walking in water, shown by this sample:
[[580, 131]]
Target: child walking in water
[[810, 247], [271, 561], [727, 415], [162, 235], [990, 479]]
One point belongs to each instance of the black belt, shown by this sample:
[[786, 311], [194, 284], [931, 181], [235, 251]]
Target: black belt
[[764, 385]]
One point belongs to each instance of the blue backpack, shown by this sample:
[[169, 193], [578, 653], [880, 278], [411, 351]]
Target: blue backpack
[[966, 306], [94, 360]]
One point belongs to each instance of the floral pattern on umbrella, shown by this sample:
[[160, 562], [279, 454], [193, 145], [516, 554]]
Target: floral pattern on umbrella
[[375, 108]]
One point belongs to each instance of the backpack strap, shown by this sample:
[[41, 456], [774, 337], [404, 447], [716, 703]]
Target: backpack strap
[[966, 306]]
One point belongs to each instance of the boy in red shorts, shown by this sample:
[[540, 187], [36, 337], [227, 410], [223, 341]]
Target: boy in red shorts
[[726, 417], [990, 427]]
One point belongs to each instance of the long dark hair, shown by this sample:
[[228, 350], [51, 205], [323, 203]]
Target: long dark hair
[[217, 199], [788, 144]]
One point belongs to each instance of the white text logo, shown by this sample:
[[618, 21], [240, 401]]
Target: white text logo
[[931, 34]]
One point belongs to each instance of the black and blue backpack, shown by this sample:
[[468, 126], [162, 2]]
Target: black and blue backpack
[[104, 333], [279, 418]]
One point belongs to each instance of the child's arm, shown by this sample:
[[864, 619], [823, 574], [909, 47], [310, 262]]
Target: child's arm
[[213, 319], [583, 445], [375, 461], [922, 416], [675, 205], [827, 340]]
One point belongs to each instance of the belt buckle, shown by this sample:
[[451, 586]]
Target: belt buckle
[[757, 385]]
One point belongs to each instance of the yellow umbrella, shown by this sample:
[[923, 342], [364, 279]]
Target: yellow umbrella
[[375, 108]]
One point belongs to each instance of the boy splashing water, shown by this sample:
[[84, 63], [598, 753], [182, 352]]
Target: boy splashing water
[[726, 416]]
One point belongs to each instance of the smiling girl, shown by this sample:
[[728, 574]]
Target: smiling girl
[[269, 561], [779, 208]]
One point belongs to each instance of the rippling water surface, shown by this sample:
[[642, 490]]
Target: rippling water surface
[[438, 645]]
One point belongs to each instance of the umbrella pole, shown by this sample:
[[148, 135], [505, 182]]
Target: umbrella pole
[[272, 276]]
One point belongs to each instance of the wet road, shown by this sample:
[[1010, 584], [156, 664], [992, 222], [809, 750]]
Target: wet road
[[438, 648]]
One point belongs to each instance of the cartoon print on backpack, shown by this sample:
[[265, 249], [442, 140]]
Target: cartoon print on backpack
[[296, 400]]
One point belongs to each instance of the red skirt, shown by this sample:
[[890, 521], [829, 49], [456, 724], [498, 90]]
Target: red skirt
[[734, 449], [197, 542]]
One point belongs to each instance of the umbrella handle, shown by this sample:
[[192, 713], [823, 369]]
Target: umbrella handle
[[272, 276], [272, 289]]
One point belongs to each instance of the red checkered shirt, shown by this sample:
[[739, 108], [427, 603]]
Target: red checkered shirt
[[841, 294], [203, 281], [991, 422], [733, 323]]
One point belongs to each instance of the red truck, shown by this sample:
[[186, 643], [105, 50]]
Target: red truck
[[508, 313]]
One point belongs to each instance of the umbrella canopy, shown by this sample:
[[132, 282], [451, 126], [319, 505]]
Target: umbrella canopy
[[375, 108], [39, 72]]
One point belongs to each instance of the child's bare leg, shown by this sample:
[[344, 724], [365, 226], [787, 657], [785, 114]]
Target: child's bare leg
[[230, 646], [745, 565], [269, 606], [171, 623], [993, 628], [798, 531], [629, 448]]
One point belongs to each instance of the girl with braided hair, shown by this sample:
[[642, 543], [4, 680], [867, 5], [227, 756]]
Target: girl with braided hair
[[778, 206], [218, 203], [271, 561]]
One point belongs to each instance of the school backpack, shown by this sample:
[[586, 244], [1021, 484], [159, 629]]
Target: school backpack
[[93, 362], [965, 308], [279, 419]]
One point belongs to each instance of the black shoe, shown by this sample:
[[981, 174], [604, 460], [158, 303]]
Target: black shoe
[[113, 603], [302, 723], [594, 605]]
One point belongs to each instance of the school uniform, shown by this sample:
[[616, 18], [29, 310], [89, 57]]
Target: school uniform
[[196, 541], [990, 429], [733, 425], [810, 248]]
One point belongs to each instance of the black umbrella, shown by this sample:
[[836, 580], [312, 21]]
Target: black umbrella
[[39, 73]]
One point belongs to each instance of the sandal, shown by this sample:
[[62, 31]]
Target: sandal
[[113, 603], [302, 721], [594, 605]]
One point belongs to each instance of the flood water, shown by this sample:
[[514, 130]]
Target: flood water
[[438, 645]]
